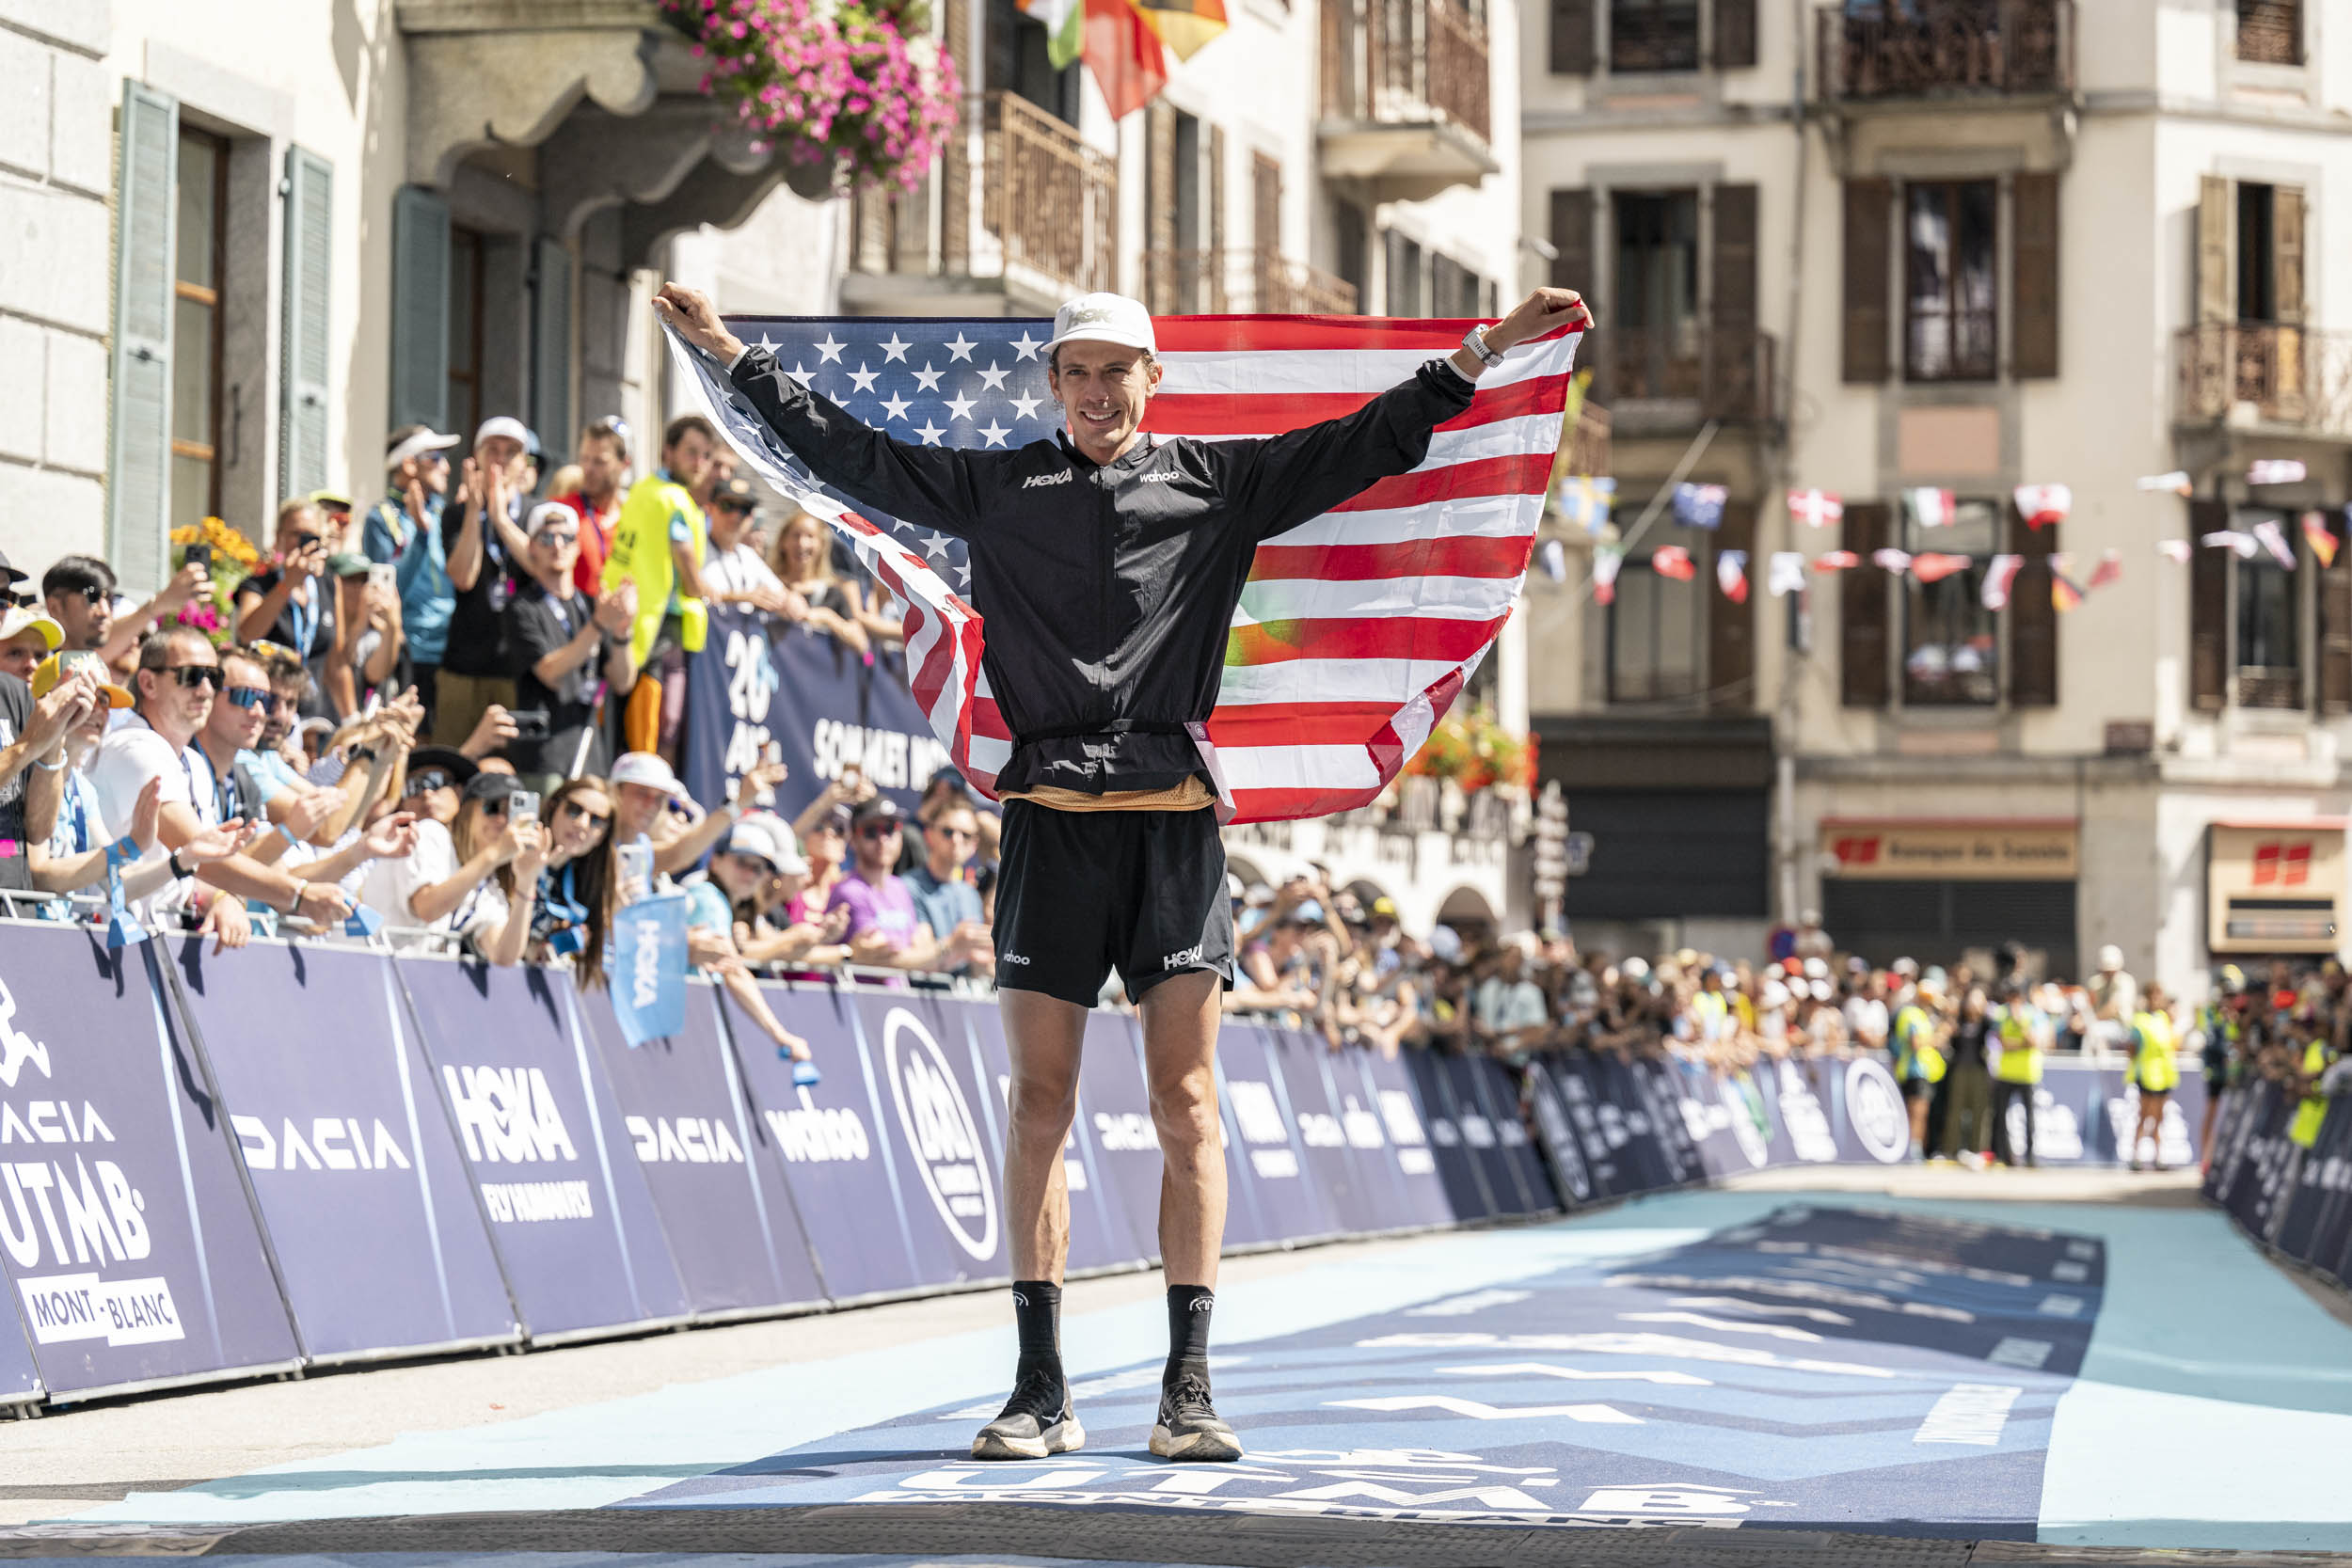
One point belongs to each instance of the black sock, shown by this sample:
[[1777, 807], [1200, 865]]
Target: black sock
[[1189, 1310], [1037, 1312]]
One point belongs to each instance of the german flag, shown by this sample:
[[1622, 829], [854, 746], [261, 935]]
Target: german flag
[[1184, 26]]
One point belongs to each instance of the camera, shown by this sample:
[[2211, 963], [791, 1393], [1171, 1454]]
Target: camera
[[531, 723]]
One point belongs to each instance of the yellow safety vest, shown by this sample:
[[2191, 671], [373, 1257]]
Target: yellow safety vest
[[2021, 1058], [2304, 1130], [640, 554], [2152, 1068], [1915, 1055]]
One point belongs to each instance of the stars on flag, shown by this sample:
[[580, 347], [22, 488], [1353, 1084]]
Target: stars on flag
[[831, 350], [960, 348], [927, 378], [895, 407], [864, 378], [895, 350], [960, 407], [995, 433], [994, 377], [1027, 346]]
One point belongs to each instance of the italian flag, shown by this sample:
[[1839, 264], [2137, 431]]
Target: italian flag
[[1065, 28]]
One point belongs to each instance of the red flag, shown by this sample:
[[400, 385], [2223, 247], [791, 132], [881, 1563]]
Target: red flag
[[2110, 569], [1673, 561], [1125, 55], [1836, 560], [1934, 567]]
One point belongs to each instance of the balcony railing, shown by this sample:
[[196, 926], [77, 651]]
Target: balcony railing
[[1398, 60], [1259, 282], [1047, 200], [1934, 48], [2293, 377], [1718, 373], [1588, 443]]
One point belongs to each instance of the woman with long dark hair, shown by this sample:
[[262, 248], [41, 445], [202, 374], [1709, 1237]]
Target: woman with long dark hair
[[580, 887]]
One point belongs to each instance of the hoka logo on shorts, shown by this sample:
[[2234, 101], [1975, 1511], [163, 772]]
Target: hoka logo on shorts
[[507, 1115], [1184, 959], [1038, 481], [813, 1133], [940, 1128]]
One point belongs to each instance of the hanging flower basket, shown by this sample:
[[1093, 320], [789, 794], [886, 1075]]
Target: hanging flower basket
[[1475, 752], [857, 86], [235, 558]]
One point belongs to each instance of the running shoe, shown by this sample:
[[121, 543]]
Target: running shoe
[[1188, 1426], [1037, 1420]]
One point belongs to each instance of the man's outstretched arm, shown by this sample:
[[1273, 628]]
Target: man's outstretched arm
[[1277, 484], [931, 486]]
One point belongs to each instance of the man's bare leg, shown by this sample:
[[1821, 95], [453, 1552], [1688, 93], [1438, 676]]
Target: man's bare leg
[[1180, 1021], [1044, 1037]]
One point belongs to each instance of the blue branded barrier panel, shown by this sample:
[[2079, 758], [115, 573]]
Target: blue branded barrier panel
[[1114, 1147], [379, 1234], [1292, 1203], [131, 1252], [943, 1173], [730, 1222], [829, 1144], [1388, 1090], [1466, 1191], [1556, 1137], [569, 1210], [1349, 1199]]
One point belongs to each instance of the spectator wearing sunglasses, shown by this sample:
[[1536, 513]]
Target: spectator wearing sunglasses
[[655, 806], [178, 677], [885, 930], [475, 871], [81, 594], [711, 907], [581, 886], [567, 648], [292, 602], [946, 896]]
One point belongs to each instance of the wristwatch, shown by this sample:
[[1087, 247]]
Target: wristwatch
[[1475, 340]]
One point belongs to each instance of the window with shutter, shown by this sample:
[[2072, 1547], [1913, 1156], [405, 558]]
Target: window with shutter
[[1869, 209], [552, 342], [1862, 593], [2270, 32], [1572, 268], [1572, 25], [2208, 607], [200, 248], [2216, 247], [2032, 616], [2034, 344], [1734, 34], [1732, 628], [420, 267], [1731, 381], [139, 485], [303, 333]]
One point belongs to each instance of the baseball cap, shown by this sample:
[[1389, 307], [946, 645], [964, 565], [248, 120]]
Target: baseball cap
[[10, 574], [737, 492], [489, 786], [881, 808], [1103, 319], [502, 424], [331, 500], [348, 563], [1383, 908], [18, 619], [769, 839], [444, 759], [58, 666], [644, 767], [415, 440], [545, 513]]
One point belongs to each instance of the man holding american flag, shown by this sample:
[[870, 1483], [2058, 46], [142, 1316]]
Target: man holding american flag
[[1107, 564]]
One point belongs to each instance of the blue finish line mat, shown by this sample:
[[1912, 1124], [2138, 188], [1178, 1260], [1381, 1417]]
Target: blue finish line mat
[[1819, 1367]]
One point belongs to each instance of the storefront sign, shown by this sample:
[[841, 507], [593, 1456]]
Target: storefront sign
[[2275, 887], [2028, 849]]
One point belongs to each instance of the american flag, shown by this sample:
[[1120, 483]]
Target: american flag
[[1355, 632]]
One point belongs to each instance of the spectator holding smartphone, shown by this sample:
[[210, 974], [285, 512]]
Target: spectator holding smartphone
[[292, 602], [566, 648], [579, 887], [404, 530], [761, 870], [474, 872]]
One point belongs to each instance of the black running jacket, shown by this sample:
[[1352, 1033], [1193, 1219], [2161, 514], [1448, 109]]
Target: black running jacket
[[1107, 592]]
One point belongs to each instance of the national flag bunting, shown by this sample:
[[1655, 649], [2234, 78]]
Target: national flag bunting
[[1931, 507], [1836, 561], [1998, 574], [2320, 537], [1895, 560], [1355, 631], [1787, 572], [2231, 539], [1935, 567], [2175, 550], [1816, 508], [1583, 501], [2273, 538], [1673, 561], [1553, 558], [1606, 559], [1700, 505], [1126, 57], [1064, 21], [2065, 593], [2177, 481], [1731, 575], [2042, 505], [1183, 25], [2276, 471], [2110, 569]]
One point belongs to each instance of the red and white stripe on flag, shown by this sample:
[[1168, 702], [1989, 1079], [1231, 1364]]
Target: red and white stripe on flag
[[1356, 629], [2045, 504], [1816, 508]]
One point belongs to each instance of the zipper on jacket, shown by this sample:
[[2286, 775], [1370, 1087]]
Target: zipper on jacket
[[1106, 547]]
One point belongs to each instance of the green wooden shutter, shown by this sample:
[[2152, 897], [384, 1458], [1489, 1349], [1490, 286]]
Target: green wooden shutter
[[1862, 593], [2033, 629], [303, 349], [551, 345], [419, 308], [139, 489], [1869, 209], [2034, 270]]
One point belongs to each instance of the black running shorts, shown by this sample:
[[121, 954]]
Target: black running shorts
[[1082, 893]]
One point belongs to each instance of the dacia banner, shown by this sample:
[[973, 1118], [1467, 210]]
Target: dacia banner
[[1388, 1089], [2319, 1196], [1111, 1159], [379, 1235], [1259, 1124], [1922, 1361], [731, 1223], [943, 1176], [570, 1215], [759, 679], [131, 1252], [1468, 1193]]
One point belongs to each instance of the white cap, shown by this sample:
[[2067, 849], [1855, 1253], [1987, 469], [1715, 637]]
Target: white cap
[[769, 839], [2111, 957], [22, 618], [500, 424], [545, 513], [644, 767], [1103, 319], [417, 446]]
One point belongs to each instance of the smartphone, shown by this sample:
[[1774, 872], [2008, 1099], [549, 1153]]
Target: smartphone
[[636, 863], [522, 805], [763, 796], [384, 575], [201, 555]]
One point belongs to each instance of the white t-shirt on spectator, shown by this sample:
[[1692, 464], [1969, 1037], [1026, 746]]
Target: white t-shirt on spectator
[[1866, 1021], [740, 570], [126, 759], [391, 883], [1505, 1004]]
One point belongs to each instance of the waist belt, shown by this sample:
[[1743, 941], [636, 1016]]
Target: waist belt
[[1105, 726]]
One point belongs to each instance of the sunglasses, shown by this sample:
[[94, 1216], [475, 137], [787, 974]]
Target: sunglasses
[[90, 592], [594, 819], [256, 698], [958, 832], [428, 781], [878, 829], [192, 675], [557, 537]]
